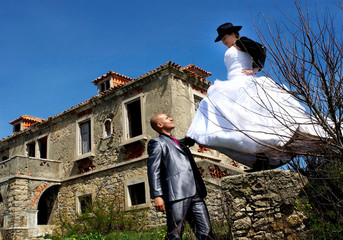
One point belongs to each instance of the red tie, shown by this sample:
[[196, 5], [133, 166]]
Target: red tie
[[175, 140]]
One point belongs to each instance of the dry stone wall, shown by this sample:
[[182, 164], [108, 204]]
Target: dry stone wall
[[261, 205]]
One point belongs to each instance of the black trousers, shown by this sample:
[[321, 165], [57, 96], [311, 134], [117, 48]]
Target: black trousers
[[194, 211]]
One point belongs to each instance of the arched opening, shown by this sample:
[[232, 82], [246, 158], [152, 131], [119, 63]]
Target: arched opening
[[2, 210], [107, 128], [46, 205]]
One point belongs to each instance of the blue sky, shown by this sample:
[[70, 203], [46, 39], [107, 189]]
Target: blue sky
[[50, 51]]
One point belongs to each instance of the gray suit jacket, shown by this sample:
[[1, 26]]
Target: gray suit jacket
[[172, 172]]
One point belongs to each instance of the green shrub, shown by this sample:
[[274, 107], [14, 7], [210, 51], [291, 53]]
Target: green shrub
[[319, 227], [91, 236], [100, 218]]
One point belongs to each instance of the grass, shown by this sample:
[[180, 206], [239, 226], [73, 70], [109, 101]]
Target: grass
[[152, 234], [158, 233]]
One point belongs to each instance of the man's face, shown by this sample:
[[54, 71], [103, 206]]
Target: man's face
[[165, 122]]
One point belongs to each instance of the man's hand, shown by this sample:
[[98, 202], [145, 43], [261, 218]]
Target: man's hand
[[188, 141], [159, 204]]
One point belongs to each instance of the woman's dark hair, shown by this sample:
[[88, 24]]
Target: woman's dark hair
[[236, 34]]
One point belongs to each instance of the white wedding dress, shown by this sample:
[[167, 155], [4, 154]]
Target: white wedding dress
[[248, 115]]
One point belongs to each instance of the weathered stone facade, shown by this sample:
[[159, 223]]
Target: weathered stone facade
[[97, 150]]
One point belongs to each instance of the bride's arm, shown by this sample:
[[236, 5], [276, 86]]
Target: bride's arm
[[256, 50], [250, 71]]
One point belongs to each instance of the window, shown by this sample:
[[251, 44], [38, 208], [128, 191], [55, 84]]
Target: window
[[4, 154], [137, 194], [43, 147], [85, 137], [17, 127], [197, 97], [104, 86], [85, 204], [85, 165], [134, 118], [38, 148], [107, 128], [84, 200], [31, 149], [2, 211], [197, 101]]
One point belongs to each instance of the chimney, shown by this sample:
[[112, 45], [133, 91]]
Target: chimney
[[196, 71], [24, 122], [110, 80]]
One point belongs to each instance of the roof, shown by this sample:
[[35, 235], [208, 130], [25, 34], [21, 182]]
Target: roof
[[111, 74], [27, 118], [191, 69]]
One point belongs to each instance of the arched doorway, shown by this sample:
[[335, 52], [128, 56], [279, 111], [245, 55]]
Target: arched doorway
[[2, 209], [46, 204]]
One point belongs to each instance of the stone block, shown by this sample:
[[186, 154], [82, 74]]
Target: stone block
[[294, 220], [244, 223]]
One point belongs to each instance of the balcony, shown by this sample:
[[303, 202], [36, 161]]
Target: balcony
[[30, 167]]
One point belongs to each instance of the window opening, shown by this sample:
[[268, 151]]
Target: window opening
[[134, 118], [85, 165], [4, 154], [43, 147], [31, 149], [2, 210], [137, 193], [108, 128], [101, 87], [85, 204], [17, 127], [104, 86], [197, 101], [107, 85], [85, 137]]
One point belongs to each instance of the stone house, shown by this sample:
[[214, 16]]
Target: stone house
[[97, 149]]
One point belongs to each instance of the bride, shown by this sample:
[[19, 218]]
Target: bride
[[248, 117]]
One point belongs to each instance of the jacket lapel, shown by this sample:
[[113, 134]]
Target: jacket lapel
[[171, 142]]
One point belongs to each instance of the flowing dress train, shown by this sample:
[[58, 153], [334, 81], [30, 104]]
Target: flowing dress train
[[247, 115]]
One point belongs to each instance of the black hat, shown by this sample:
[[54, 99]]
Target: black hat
[[226, 28]]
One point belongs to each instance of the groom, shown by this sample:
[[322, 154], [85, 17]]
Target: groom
[[175, 182]]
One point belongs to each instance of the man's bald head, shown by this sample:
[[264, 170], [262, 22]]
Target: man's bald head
[[154, 120], [161, 123]]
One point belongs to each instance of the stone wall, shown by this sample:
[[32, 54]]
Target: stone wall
[[261, 205], [256, 205]]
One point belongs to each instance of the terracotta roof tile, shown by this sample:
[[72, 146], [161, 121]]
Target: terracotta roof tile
[[27, 118], [113, 74], [164, 66], [196, 70]]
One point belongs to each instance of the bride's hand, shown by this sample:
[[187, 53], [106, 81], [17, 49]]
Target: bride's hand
[[250, 71]]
